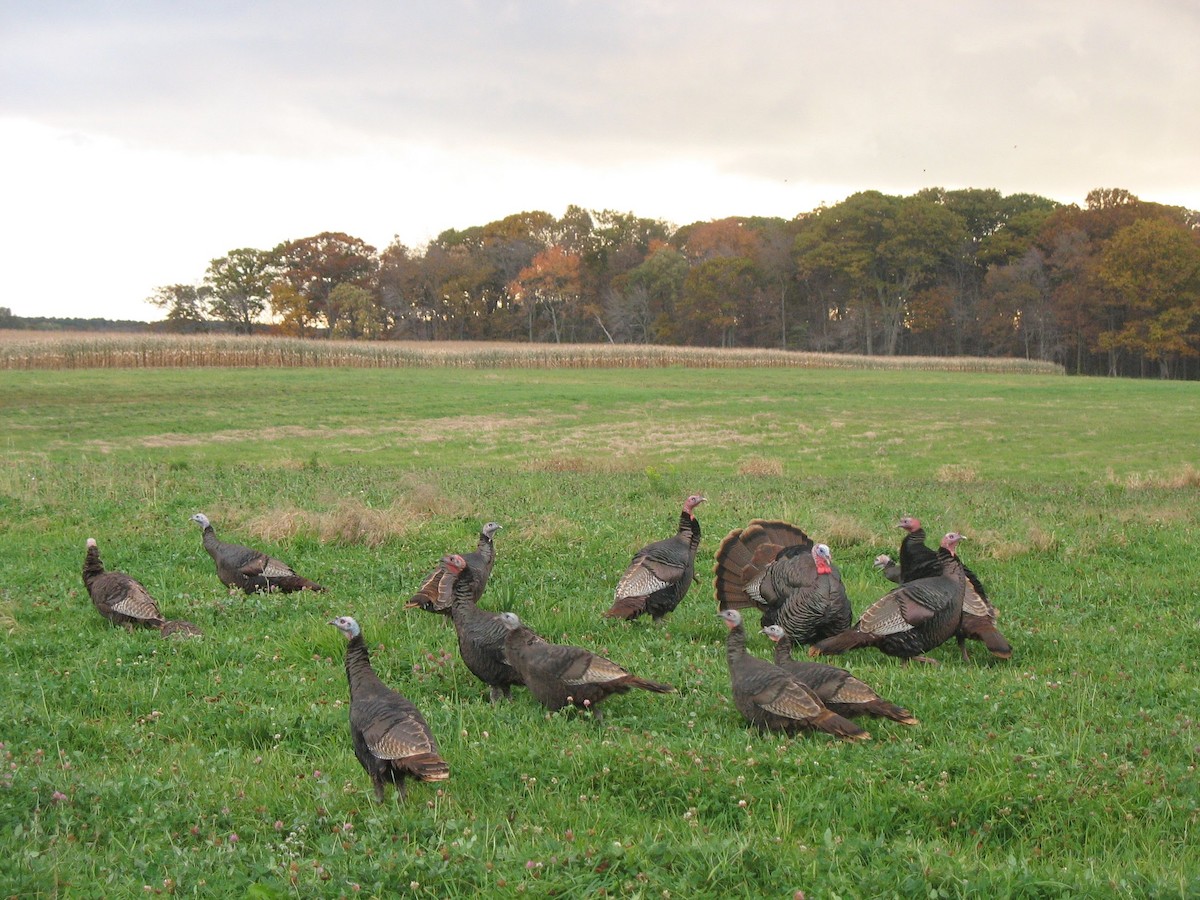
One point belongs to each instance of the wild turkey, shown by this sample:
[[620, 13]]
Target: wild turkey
[[776, 568], [391, 738], [660, 574], [916, 559], [480, 632], [979, 614], [250, 570], [772, 699], [124, 600], [837, 688], [479, 561], [558, 675], [912, 619]]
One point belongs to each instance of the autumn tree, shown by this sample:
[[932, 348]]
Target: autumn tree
[[551, 282], [313, 266], [1153, 265]]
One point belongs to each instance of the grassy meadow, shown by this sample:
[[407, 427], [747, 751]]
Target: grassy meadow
[[221, 766]]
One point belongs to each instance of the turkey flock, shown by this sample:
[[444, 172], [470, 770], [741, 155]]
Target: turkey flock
[[769, 566]]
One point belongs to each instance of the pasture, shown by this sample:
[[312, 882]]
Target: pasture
[[222, 766]]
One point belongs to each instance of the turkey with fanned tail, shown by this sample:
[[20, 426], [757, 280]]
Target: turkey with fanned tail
[[776, 568]]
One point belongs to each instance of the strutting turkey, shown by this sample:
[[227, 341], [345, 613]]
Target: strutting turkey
[[979, 614], [480, 632], [479, 561], [558, 675], [660, 574], [391, 738], [776, 568], [837, 688], [250, 570], [124, 600], [771, 698], [912, 619]]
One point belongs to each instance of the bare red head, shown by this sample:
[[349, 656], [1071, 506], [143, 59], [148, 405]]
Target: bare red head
[[950, 541], [453, 563], [692, 502], [909, 524]]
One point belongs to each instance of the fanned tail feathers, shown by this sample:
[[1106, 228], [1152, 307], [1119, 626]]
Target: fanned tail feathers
[[744, 555]]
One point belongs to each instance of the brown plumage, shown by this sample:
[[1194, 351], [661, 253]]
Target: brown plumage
[[250, 570], [124, 600], [479, 563], [391, 738], [837, 688], [776, 568], [480, 632], [912, 619], [979, 614], [660, 574], [558, 675], [771, 698]]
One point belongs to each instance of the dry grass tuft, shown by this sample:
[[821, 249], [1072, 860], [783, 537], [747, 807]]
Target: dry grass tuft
[[578, 464], [954, 473], [1186, 477], [759, 466], [838, 530]]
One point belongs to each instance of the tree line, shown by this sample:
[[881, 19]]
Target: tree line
[[1109, 288]]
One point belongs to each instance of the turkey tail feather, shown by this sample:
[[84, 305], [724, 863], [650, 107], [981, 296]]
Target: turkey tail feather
[[646, 685], [831, 723], [891, 711], [290, 583], [428, 767], [840, 643], [627, 608]]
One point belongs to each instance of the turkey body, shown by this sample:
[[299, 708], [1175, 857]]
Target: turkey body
[[772, 699], [660, 574], [837, 688], [776, 568], [124, 600], [979, 615], [250, 570], [558, 675], [480, 632], [912, 619], [391, 738], [479, 562]]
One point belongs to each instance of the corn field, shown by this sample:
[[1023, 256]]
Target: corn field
[[57, 350]]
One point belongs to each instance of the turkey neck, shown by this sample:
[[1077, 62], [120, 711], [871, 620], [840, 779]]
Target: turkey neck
[[92, 567], [208, 537], [689, 527], [783, 650], [735, 644], [358, 666]]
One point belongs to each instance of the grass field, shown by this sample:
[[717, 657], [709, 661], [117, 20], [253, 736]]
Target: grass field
[[222, 766]]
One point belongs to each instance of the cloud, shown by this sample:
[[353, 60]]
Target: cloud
[[191, 128]]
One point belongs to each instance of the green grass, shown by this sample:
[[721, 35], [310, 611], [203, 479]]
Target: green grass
[[1067, 772]]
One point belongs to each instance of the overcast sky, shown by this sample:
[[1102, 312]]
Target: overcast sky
[[140, 140]]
